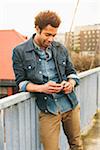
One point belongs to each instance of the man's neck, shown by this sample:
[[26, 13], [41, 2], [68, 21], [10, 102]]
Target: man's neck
[[36, 40]]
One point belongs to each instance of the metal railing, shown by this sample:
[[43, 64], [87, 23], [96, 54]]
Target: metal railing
[[19, 128]]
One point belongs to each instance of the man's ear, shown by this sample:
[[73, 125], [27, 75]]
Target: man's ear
[[38, 30]]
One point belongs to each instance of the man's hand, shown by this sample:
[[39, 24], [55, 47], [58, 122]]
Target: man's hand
[[68, 86], [51, 87]]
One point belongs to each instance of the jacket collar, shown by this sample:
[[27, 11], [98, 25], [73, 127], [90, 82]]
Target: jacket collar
[[30, 45]]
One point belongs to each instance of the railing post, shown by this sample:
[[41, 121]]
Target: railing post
[[98, 90], [1, 130]]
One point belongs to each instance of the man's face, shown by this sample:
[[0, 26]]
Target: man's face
[[46, 36]]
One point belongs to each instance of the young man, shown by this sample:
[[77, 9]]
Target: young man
[[42, 66]]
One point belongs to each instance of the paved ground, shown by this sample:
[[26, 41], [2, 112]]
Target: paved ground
[[92, 140]]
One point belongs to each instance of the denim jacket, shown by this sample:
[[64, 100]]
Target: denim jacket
[[26, 67]]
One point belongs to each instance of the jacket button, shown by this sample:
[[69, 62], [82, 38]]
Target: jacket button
[[40, 72], [55, 100], [29, 67], [39, 59], [45, 98], [63, 63], [46, 111]]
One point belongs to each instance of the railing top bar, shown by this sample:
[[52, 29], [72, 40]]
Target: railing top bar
[[13, 99], [88, 72]]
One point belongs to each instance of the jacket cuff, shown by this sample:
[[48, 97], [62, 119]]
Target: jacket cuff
[[74, 77], [22, 85]]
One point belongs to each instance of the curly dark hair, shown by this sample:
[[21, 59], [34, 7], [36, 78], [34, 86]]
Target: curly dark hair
[[47, 18]]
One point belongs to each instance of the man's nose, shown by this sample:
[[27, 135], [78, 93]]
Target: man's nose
[[51, 38]]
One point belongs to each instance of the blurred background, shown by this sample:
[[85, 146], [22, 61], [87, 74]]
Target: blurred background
[[79, 30]]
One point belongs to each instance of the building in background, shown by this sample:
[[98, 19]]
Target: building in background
[[69, 40], [86, 39], [60, 37], [8, 40]]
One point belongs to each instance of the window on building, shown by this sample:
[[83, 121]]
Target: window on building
[[97, 31], [84, 32], [93, 35], [93, 44], [85, 36], [93, 40], [93, 31], [89, 32], [90, 35], [90, 44]]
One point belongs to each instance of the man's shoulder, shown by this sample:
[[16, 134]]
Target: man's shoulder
[[56, 43], [21, 45], [24, 45], [59, 46]]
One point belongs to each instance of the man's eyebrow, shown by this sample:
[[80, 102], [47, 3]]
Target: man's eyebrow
[[50, 34]]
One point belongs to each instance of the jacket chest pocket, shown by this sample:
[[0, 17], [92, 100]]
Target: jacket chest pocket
[[62, 65], [29, 67]]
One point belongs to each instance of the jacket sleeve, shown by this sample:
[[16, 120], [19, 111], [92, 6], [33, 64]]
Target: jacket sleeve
[[70, 70], [18, 68]]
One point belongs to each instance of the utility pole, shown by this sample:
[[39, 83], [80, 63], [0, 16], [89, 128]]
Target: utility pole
[[69, 33]]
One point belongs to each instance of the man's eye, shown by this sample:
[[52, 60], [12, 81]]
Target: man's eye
[[47, 35], [50, 35], [54, 35]]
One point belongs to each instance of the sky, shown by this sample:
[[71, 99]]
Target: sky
[[19, 14]]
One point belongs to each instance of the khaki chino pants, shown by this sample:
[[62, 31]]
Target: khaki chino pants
[[50, 129]]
